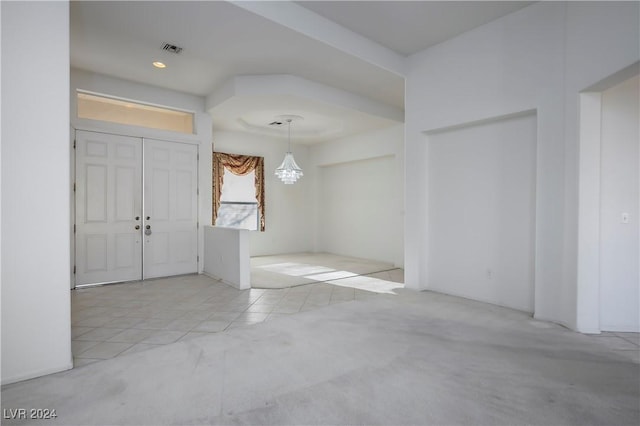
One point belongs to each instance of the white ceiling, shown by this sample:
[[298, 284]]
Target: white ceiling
[[408, 27], [324, 117], [357, 53]]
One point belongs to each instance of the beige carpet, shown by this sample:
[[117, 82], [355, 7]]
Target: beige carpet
[[290, 270]]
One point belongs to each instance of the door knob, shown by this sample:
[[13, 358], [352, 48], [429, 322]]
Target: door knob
[[148, 217], [137, 226], [148, 227], [137, 217]]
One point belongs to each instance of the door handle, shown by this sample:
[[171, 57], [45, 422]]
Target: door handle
[[137, 217], [137, 227], [148, 227]]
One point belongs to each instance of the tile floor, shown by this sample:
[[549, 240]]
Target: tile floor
[[114, 320], [119, 319], [408, 358]]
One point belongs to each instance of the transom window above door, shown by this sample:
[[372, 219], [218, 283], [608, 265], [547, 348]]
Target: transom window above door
[[121, 111]]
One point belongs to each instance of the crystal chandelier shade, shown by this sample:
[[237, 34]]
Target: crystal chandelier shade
[[289, 171]]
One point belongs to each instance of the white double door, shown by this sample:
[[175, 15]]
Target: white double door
[[136, 208]]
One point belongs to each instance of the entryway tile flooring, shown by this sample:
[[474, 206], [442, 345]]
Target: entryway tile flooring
[[114, 320], [118, 319]]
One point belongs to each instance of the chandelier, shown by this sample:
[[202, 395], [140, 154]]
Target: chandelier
[[289, 172]]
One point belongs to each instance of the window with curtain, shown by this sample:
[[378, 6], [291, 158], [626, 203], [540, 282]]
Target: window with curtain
[[238, 165]]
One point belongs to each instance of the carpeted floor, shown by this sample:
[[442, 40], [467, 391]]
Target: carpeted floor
[[411, 358]]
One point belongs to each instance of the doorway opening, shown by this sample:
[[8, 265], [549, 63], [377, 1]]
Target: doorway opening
[[609, 194]]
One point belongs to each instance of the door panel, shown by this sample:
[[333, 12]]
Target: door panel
[[95, 186], [127, 179], [108, 200], [170, 203]]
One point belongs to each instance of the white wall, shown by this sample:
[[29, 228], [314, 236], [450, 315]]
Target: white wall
[[226, 256], [288, 210], [360, 195], [35, 190], [102, 84], [538, 58], [620, 189], [482, 211]]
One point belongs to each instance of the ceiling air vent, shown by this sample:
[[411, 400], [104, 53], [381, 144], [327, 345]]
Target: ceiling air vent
[[171, 48]]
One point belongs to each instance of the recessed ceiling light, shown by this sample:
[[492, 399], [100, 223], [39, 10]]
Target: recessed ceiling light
[[158, 64]]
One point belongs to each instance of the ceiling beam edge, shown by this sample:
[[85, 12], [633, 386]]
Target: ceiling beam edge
[[286, 84], [326, 31]]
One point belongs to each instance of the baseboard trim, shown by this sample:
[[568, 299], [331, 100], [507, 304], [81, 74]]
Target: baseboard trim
[[35, 374], [236, 286]]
